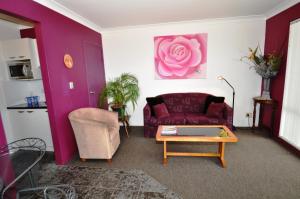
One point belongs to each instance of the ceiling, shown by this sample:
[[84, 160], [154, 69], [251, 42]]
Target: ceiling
[[116, 13]]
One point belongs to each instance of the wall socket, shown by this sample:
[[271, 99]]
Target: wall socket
[[249, 115]]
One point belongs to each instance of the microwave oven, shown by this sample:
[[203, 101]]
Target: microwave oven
[[20, 69]]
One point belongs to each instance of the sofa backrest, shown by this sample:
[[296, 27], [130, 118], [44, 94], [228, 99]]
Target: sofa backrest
[[185, 102]]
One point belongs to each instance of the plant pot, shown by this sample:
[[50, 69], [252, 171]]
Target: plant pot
[[119, 109]]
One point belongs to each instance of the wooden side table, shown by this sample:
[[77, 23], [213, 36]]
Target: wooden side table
[[125, 122], [264, 102]]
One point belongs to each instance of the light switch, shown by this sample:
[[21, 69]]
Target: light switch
[[71, 85]]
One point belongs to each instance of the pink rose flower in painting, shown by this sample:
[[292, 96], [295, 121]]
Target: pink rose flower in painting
[[180, 57]]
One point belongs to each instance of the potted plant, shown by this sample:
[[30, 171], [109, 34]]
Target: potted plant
[[120, 91], [267, 66]]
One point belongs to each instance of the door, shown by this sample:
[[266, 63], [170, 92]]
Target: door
[[94, 71]]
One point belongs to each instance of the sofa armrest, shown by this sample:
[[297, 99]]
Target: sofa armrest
[[147, 112], [228, 116]]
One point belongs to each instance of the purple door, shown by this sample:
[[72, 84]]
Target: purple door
[[94, 71]]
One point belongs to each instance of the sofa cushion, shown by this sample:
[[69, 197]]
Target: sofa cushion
[[196, 118], [173, 119], [152, 101], [161, 111], [216, 121], [216, 110], [185, 102], [211, 99]]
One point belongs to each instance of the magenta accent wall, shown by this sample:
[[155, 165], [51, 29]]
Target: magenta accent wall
[[57, 35], [277, 35], [2, 133], [27, 33]]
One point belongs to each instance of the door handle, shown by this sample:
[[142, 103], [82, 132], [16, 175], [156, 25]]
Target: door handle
[[92, 92], [20, 111], [29, 111]]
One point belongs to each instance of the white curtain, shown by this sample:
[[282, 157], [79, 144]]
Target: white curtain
[[290, 117]]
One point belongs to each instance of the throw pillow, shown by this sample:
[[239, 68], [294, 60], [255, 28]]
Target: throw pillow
[[211, 99], [215, 110], [152, 101], [161, 111]]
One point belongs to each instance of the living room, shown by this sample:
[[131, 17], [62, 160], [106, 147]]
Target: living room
[[259, 165]]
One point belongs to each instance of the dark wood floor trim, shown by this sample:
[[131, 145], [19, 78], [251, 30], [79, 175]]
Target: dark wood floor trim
[[287, 145]]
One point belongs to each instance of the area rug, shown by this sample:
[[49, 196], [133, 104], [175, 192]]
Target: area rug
[[98, 183]]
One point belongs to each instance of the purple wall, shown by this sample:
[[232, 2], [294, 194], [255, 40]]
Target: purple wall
[[27, 33], [277, 36], [57, 35], [2, 134]]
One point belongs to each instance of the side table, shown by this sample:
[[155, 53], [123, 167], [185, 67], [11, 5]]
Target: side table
[[264, 102], [125, 122]]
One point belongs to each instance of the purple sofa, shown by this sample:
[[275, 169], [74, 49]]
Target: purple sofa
[[184, 109]]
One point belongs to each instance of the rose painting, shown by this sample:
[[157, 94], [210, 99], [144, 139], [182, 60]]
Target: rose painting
[[180, 56]]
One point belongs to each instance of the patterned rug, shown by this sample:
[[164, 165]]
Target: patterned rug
[[98, 183]]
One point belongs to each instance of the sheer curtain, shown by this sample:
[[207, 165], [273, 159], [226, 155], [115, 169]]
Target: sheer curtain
[[290, 117]]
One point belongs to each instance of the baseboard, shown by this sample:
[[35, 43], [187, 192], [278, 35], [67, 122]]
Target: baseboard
[[243, 127], [288, 146]]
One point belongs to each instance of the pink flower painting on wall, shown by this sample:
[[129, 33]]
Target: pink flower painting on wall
[[180, 56]]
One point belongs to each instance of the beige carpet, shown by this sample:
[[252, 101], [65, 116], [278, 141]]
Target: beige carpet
[[257, 167]]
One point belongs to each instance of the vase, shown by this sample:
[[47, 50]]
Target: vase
[[266, 89], [120, 110]]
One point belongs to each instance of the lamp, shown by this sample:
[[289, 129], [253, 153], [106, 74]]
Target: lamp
[[233, 96]]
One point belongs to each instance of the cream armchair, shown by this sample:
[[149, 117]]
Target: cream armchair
[[96, 132]]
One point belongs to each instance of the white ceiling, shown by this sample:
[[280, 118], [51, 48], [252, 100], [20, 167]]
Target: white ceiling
[[116, 13]]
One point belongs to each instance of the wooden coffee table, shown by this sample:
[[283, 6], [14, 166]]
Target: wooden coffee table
[[210, 136]]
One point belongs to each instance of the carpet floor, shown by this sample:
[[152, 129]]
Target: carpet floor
[[97, 183], [257, 167]]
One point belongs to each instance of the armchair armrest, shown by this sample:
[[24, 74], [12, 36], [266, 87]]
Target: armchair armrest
[[228, 116], [108, 117], [147, 112]]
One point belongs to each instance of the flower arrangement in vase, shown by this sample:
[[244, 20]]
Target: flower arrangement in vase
[[267, 66]]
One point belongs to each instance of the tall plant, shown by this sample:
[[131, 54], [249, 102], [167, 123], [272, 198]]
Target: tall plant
[[121, 90]]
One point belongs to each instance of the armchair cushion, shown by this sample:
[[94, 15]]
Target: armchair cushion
[[194, 118], [188, 109], [96, 132], [161, 111], [216, 110], [152, 101], [212, 99]]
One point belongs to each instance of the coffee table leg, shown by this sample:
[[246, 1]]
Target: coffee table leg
[[165, 161], [221, 152]]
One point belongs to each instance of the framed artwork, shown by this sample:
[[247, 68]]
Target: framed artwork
[[68, 61], [180, 56]]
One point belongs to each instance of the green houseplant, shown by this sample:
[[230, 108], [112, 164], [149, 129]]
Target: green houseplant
[[120, 91]]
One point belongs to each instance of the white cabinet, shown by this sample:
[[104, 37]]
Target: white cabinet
[[19, 49], [23, 49], [31, 123]]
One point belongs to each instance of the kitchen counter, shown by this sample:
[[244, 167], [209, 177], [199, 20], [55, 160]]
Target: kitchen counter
[[42, 105]]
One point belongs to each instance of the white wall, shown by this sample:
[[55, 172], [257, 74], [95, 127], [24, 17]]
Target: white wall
[[13, 92], [7, 31], [132, 50]]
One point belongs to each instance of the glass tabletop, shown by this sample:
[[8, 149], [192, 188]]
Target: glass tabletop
[[16, 160], [193, 131], [196, 131]]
